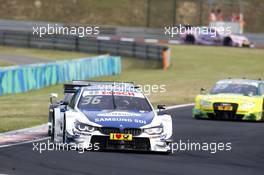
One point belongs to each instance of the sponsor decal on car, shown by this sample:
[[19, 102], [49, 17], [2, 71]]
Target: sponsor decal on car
[[118, 119], [118, 114], [119, 136], [116, 93]]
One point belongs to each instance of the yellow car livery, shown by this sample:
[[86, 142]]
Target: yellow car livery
[[232, 99]]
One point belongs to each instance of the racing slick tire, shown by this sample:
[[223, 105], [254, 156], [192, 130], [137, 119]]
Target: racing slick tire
[[50, 118], [52, 129], [197, 117], [227, 41], [64, 139], [189, 39]]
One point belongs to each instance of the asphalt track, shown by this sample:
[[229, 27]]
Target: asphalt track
[[246, 156]]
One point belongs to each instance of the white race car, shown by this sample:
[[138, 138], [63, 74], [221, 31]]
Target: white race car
[[210, 36], [112, 116]]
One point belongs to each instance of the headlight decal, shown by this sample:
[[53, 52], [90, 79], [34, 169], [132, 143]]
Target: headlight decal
[[83, 127], [154, 130]]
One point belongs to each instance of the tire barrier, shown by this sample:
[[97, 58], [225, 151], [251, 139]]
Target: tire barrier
[[16, 79]]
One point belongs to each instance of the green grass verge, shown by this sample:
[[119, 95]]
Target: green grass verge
[[5, 63], [192, 67], [43, 53]]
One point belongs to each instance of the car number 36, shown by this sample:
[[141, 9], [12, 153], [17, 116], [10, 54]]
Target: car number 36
[[91, 100]]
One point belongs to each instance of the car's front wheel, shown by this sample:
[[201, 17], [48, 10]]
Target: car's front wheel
[[64, 139], [190, 39], [262, 118], [52, 129]]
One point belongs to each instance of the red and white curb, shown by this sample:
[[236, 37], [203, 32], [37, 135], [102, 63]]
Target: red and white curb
[[39, 133], [23, 136]]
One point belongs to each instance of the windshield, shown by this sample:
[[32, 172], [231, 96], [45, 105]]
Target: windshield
[[113, 102], [244, 89]]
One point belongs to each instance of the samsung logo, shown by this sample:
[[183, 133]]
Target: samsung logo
[[117, 119]]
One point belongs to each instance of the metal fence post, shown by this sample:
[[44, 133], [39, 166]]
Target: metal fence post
[[28, 39]]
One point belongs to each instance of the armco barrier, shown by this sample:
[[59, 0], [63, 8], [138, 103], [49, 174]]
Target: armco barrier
[[98, 45], [17, 79]]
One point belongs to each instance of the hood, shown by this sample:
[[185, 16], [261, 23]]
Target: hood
[[117, 119]]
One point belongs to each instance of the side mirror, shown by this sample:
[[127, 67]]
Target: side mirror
[[202, 91], [65, 103], [160, 109], [53, 98]]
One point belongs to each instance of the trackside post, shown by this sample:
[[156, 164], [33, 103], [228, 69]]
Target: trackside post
[[166, 58]]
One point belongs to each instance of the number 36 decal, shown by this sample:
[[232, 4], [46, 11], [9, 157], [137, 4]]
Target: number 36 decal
[[91, 100]]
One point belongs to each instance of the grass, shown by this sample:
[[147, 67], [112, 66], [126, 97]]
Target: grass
[[5, 63], [24, 110], [192, 67], [43, 53]]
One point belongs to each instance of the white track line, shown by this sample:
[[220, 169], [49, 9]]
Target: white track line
[[179, 106], [45, 138]]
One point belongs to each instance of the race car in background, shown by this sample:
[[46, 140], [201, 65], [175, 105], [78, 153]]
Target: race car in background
[[112, 115], [213, 37], [232, 99]]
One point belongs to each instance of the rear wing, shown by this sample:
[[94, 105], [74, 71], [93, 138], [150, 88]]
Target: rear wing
[[76, 84]]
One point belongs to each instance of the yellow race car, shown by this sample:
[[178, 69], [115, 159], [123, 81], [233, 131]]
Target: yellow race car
[[232, 99]]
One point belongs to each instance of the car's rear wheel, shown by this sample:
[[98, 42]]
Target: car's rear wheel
[[227, 41], [189, 39]]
